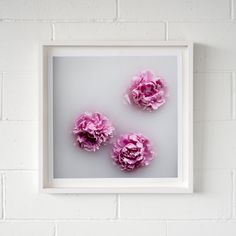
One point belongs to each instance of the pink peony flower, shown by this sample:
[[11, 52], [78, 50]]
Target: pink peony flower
[[91, 130], [132, 151], [147, 91]]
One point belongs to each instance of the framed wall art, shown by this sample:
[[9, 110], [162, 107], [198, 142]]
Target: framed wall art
[[116, 117]]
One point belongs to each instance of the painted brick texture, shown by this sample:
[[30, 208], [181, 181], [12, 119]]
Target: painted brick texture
[[211, 210]]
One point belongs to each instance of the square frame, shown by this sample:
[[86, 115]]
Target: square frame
[[182, 184]]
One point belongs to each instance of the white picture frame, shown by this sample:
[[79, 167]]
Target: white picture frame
[[183, 183]]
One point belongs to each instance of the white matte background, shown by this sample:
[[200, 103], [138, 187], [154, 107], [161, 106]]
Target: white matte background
[[211, 210], [98, 84]]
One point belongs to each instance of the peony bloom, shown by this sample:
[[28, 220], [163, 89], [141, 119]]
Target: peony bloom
[[91, 130], [132, 151], [147, 91]]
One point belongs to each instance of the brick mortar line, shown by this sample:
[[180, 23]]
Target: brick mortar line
[[213, 20], [119, 20], [58, 220], [211, 120], [166, 229], [21, 71], [45, 220], [23, 170], [1, 107], [12, 20], [214, 72], [167, 31], [211, 169], [202, 220], [117, 206], [233, 96], [117, 11], [5, 121], [232, 9], [2, 98], [168, 220], [211, 71], [55, 229], [214, 121], [3, 182], [52, 32], [1, 218], [233, 194]]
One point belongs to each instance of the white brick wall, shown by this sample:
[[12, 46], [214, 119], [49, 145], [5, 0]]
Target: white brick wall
[[29, 204], [211, 210], [112, 227], [214, 43], [174, 10], [19, 148], [19, 45], [18, 88], [208, 228], [212, 200], [109, 31], [58, 10], [208, 105], [27, 228]]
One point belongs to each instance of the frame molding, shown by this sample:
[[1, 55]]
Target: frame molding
[[182, 184]]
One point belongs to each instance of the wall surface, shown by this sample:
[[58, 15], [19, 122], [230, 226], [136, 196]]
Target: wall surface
[[211, 210]]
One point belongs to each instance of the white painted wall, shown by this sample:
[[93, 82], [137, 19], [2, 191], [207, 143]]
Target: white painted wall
[[211, 210]]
